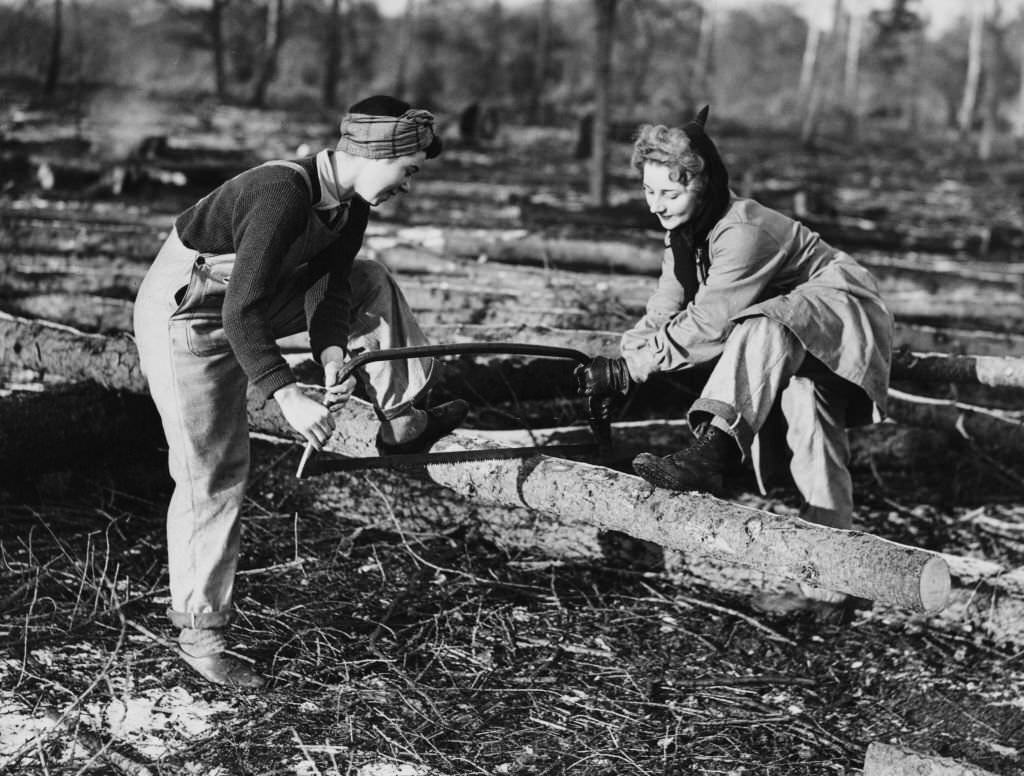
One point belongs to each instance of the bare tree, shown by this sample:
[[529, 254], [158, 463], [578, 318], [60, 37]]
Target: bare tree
[[702, 58], [332, 56], [641, 53], [404, 43], [992, 83], [53, 67], [273, 37], [810, 60], [1018, 117], [603, 39], [851, 71], [821, 76], [495, 59], [968, 104], [217, 9], [540, 62]]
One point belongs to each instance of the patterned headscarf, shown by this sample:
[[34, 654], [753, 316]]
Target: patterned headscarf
[[387, 137]]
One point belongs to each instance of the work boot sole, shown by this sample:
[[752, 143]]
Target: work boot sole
[[663, 474]]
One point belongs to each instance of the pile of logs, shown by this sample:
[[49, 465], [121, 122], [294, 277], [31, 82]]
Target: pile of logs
[[471, 285]]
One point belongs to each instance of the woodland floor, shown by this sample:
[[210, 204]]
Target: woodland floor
[[402, 640], [404, 636]]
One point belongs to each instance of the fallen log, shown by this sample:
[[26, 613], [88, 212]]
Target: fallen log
[[854, 562], [640, 254], [889, 760], [89, 312], [50, 349], [992, 371]]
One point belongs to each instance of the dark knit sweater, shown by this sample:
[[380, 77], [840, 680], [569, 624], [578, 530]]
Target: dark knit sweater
[[258, 215]]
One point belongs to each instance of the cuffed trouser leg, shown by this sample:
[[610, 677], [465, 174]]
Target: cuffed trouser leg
[[816, 417], [760, 356], [380, 319], [202, 406], [762, 361]]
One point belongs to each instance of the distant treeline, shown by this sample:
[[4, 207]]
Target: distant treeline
[[760, 65]]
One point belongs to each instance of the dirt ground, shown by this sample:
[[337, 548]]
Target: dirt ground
[[402, 639]]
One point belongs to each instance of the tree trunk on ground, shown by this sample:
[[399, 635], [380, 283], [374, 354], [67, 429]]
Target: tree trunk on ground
[[540, 63], [272, 40], [53, 66], [888, 760], [701, 524], [332, 56], [217, 8], [965, 117], [603, 41]]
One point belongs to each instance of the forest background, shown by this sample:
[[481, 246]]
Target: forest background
[[825, 68]]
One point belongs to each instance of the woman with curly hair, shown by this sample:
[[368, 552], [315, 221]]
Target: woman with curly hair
[[786, 320]]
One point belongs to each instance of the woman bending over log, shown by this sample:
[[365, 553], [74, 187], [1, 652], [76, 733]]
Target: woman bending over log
[[270, 253], [786, 322]]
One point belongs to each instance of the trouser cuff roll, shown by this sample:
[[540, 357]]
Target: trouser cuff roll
[[219, 619]]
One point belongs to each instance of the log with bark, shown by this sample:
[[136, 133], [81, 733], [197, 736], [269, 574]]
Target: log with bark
[[850, 561], [18, 343]]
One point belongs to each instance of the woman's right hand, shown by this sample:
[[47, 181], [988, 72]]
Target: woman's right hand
[[309, 417]]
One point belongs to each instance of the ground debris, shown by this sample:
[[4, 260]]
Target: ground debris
[[419, 647]]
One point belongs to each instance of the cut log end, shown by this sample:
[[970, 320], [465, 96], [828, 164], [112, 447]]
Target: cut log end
[[934, 585]]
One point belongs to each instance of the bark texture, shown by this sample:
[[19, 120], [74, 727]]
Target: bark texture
[[843, 560], [850, 561]]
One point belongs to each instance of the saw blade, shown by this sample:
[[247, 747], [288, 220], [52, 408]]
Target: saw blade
[[324, 463]]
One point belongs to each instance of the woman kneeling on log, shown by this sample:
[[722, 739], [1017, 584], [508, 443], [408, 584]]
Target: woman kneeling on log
[[270, 253], [787, 321]]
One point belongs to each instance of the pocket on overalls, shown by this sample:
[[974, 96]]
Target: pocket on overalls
[[200, 303]]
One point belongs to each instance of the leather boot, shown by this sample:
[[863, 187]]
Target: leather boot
[[205, 650], [700, 466], [441, 420]]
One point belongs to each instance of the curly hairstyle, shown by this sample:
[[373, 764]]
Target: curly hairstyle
[[668, 146]]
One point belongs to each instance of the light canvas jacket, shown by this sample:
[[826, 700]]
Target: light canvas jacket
[[764, 263]]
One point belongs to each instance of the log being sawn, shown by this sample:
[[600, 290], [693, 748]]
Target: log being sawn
[[850, 561]]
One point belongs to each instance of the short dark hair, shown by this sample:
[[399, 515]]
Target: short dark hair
[[385, 105]]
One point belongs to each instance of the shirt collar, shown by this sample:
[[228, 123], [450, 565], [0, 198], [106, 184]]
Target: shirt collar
[[328, 182]]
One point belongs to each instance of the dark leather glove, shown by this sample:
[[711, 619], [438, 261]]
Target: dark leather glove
[[603, 377]]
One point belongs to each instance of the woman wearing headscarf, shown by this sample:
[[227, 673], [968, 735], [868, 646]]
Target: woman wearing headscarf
[[786, 320], [270, 253]]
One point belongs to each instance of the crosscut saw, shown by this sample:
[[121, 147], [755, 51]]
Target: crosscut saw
[[314, 463]]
